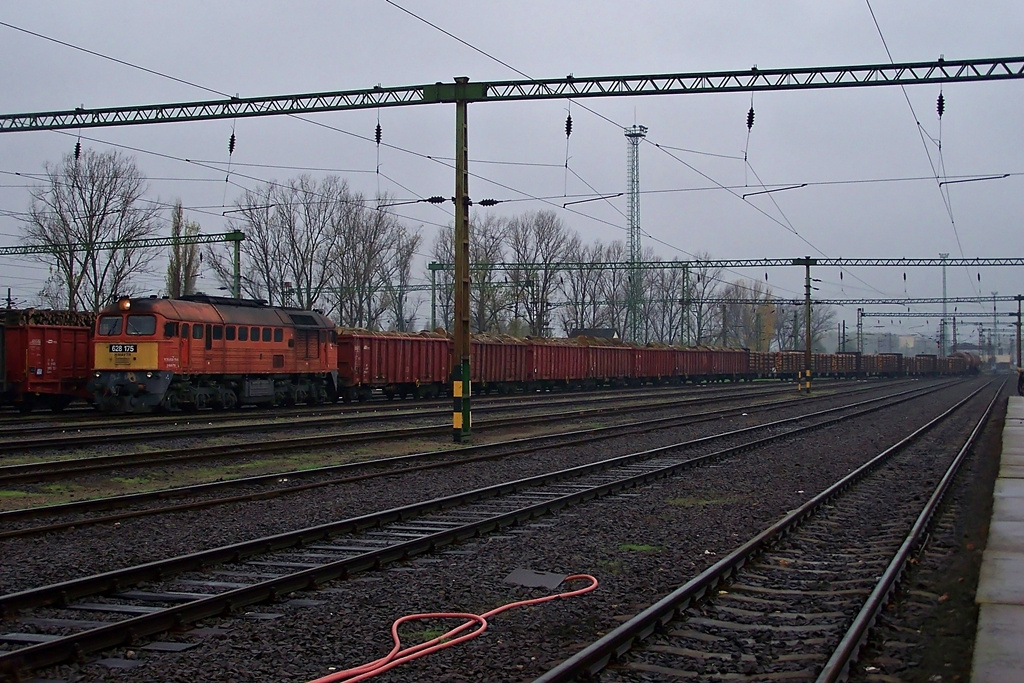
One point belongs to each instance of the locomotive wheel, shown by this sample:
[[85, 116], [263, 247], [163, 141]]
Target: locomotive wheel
[[229, 399], [201, 400]]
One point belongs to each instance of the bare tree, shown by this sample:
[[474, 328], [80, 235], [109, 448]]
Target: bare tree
[[542, 239], [489, 292], [612, 288], [185, 259], [399, 284], [292, 232], [443, 252], [262, 259], [97, 197], [663, 306], [704, 280], [364, 266], [578, 286], [749, 315], [489, 295]]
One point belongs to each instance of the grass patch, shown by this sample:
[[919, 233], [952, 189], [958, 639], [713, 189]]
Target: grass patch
[[640, 548], [130, 481], [13, 494], [693, 501], [429, 634]]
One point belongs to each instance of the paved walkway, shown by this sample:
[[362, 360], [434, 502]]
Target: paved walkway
[[999, 645]]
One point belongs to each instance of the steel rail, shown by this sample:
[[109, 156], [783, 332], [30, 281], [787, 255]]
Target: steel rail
[[450, 458], [55, 469], [64, 593], [838, 665], [246, 417], [589, 661]]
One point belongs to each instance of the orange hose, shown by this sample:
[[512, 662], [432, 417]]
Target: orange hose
[[398, 655]]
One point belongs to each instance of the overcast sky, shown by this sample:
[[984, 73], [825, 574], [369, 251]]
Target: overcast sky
[[870, 171]]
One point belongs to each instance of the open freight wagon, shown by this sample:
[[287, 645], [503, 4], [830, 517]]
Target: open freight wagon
[[45, 358]]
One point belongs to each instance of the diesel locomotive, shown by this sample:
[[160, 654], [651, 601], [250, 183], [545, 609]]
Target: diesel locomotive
[[201, 351]]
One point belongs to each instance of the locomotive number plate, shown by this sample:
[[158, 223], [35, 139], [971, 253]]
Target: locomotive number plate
[[123, 348]]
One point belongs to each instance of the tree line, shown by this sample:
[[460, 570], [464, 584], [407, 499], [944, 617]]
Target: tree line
[[315, 243]]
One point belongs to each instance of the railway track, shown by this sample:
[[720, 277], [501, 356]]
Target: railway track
[[128, 429], [795, 602], [167, 594], [71, 467], [19, 424], [262, 487]]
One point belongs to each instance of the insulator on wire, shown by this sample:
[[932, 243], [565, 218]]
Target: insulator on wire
[[377, 133], [940, 105], [568, 125], [78, 150], [750, 118], [231, 144]]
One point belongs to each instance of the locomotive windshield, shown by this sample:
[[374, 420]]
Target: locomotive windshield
[[109, 325], [141, 325]]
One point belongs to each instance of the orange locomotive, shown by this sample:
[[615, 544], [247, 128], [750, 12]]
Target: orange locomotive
[[201, 351]]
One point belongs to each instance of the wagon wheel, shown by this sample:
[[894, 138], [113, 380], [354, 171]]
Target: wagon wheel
[[229, 399]]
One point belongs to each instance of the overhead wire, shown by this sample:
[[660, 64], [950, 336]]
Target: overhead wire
[[921, 133]]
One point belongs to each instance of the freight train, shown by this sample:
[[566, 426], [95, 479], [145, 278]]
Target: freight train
[[199, 352]]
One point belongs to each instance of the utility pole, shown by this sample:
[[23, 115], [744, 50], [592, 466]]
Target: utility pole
[[994, 340], [807, 262], [942, 328], [1018, 298], [860, 330], [461, 389]]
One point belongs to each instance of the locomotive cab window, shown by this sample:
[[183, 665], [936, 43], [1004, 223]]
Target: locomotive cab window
[[254, 333], [141, 325], [197, 332], [170, 330], [229, 333], [218, 331], [243, 334], [109, 325], [184, 331], [266, 334], [278, 334]]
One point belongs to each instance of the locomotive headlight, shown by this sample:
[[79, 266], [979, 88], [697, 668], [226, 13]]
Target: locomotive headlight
[[149, 375], [96, 374], [124, 303]]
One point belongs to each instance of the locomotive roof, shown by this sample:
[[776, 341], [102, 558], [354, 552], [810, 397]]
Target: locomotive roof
[[221, 310]]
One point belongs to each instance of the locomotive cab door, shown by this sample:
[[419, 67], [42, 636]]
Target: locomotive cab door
[[184, 342]]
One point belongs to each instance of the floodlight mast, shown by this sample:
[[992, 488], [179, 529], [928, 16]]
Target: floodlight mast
[[462, 92]]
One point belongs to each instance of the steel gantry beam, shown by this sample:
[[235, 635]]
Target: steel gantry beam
[[746, 80], [462, 92], [235, 236], [741, 263]]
